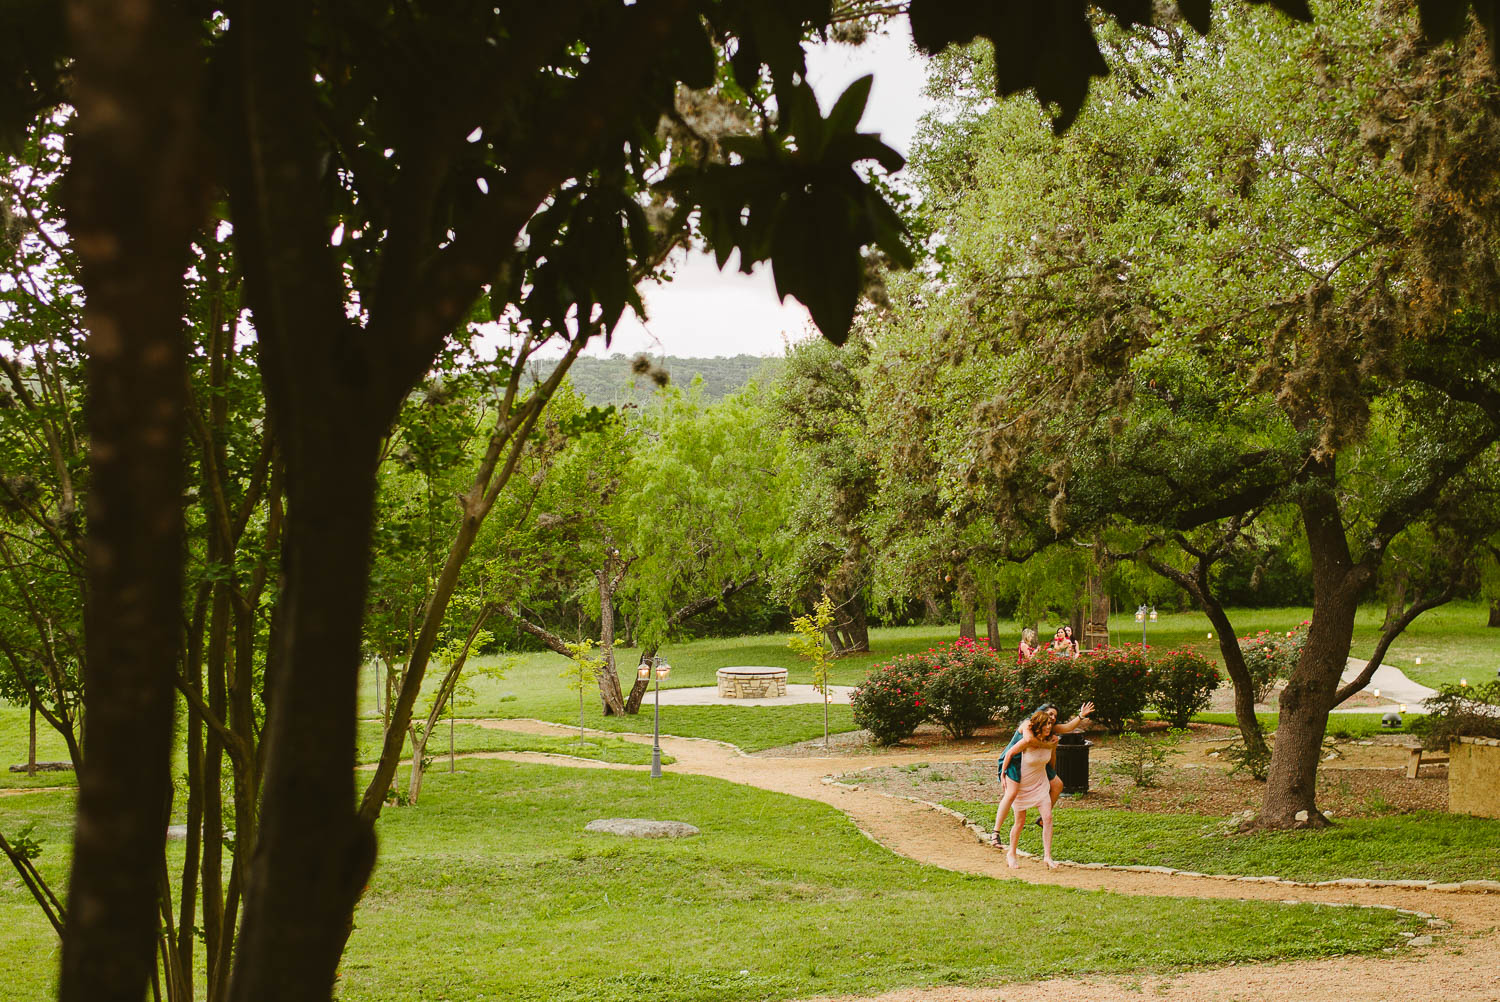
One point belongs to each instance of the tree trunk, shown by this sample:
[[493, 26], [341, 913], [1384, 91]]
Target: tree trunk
[[135, 198], [31, 745], [1396, 602], [1199, 585], [313, 853], [1494, 613], [857, 624], [609, 679], [966, 626], [1291, 783], [639, 686], [932, 614]]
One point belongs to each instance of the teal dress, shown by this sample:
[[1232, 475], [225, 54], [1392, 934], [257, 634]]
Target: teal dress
[[1014, 772]]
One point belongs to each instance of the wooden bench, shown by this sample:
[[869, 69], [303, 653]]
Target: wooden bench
[[1417, 757]]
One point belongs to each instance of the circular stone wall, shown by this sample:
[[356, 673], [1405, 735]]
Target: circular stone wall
[[754, 682]]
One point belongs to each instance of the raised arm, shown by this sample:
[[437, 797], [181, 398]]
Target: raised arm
[[1077, 722]]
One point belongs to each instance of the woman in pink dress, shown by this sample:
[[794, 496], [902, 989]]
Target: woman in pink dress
[[1034, 790]]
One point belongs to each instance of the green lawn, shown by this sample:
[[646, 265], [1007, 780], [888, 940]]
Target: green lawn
[[1340, 725], [473, 738], [491, 889], [1424, 845], [774, 900], [50, 747]]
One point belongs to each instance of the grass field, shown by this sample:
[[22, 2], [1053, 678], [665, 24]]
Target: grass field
[[491, 889], [1423, 845]]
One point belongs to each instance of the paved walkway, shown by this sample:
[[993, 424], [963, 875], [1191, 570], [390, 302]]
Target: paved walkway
[[708, 695], [1461, 967], [1395, 689]]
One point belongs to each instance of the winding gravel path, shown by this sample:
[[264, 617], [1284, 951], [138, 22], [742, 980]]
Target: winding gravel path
[[1462, 966]]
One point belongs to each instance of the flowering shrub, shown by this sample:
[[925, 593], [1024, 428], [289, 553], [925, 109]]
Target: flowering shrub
[[1182, 683], [1119, 683], [1052, 678], [889, 703], [965, 687], [1270, 657]]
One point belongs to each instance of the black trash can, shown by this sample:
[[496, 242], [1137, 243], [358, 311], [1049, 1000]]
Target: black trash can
[[1073, 762]]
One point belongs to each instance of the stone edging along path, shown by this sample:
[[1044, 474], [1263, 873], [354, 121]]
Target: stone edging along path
[[984, 837]]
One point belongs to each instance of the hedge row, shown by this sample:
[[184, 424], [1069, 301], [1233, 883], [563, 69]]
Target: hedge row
[[965, 685]]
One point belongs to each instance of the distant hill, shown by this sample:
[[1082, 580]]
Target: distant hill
[[608, 380]]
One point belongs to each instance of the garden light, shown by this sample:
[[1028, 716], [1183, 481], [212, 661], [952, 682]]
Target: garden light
[[1419, 660], [1377, 693], [1142, 614], [1210, 636], [1464, 682], [662, 670]]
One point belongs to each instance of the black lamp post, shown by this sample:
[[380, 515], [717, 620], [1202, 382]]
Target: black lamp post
[[655, 666]]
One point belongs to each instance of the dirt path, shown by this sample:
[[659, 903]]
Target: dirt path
[[1464, 965]]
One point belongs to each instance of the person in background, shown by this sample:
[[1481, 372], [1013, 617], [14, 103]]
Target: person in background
[[1027, 649]]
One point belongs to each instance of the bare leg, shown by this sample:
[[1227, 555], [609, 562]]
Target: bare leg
[[1056, 787], [1008, 794], [1015, 838], [1046, 812]]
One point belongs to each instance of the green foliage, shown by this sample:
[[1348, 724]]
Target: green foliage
[[1119, 683], [965, 687], [615, 380], [1182, 683], [1142, 759], [583, 668], [1242, 758], [1468, 711], [889, 702], [1058, 679], [810, 643], [1270, 657]]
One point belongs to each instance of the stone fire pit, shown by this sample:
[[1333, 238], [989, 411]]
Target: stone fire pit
[[753, 682]]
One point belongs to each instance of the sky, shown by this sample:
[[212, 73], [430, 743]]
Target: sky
[[704, 312]]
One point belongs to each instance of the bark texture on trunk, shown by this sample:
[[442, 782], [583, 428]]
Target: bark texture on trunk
[[1291, 783], [1494, 619], [966, 611], [313, 854], [135, 198]]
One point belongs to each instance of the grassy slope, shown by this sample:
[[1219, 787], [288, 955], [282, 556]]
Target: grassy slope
[[1424, 845]]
